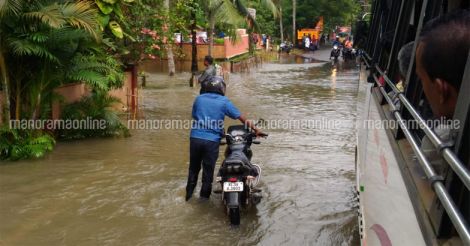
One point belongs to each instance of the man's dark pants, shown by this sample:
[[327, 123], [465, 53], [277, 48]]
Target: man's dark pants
[[205, 153]]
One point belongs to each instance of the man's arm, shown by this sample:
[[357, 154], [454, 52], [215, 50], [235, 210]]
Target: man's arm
[[234, 113], [203, 77], [250, 124]]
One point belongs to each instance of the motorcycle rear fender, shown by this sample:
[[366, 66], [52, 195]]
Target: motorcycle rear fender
[[232, 199]]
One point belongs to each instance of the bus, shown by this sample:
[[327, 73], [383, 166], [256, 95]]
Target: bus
[[404, 199]]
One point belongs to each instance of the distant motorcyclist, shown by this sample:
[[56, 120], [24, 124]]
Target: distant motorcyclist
[[335, 52], [337, 42], [348, 44]]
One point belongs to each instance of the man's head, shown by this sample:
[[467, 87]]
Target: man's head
[[214, 84], [404, 59], [208, 60], [441, 57]]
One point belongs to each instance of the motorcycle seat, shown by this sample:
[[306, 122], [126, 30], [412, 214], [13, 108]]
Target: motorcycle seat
[[238, 162], [237, 156]]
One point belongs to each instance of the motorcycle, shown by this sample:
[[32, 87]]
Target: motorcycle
[[349, 54], [285, 47], [335, 52], [237, 176]]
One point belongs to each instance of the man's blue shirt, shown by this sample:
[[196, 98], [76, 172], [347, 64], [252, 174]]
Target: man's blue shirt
[[209, 111]]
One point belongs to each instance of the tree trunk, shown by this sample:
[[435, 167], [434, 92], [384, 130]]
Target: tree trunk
[[171, 60], [37, 107], [169, 47], [5, 88], [211, 32], [194, 67], [294, 41], [18, 100], [280, 24]]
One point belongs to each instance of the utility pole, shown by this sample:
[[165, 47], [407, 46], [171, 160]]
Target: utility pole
[[293, 22], [280, 24], [194, 68]]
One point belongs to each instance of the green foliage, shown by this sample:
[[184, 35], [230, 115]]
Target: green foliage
[[98, 70], [97, 107], [111, 18], [219, 41], [18, 144], [47, 44], [264, 17], [335, 13], [144, 30]]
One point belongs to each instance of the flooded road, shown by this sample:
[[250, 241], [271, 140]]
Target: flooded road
[[131, 191]]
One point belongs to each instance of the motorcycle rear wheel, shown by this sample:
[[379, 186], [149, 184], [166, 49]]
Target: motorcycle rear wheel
[[234, 215]]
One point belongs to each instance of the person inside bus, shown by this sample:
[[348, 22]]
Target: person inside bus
[[440, 65], [441, 60], [404, 59]]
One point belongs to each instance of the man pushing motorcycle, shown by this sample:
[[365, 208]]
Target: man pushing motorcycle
[[208, 113]]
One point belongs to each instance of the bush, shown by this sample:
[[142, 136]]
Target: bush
[[98, 106], [16, 144], [219, 41]]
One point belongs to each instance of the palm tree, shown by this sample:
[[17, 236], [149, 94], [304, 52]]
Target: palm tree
[[232, 13], [7, 8], [220, 11], [251, 22], [51, 35]]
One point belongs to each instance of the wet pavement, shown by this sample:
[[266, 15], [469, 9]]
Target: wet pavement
[[130, 191]]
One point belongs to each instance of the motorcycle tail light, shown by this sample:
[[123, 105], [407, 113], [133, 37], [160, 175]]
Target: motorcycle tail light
[[232, 180]]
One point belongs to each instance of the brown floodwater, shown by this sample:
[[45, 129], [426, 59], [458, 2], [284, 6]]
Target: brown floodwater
[[130, 191]]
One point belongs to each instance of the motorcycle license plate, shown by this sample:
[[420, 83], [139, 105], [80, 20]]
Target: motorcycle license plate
[[233, 186]]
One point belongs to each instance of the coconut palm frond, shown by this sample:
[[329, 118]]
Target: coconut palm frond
[[82, 14], [233, 34], [97, 69], [24, 47], [227, 13], [239, 5], [67, 34], [92, 78], [10, 7], [272, 6], [50, 15]]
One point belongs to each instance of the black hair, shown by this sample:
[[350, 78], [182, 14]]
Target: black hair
[[209, 59], [446, 43], [404, 58]]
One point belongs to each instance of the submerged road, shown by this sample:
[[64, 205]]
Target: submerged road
[[131, 191]]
